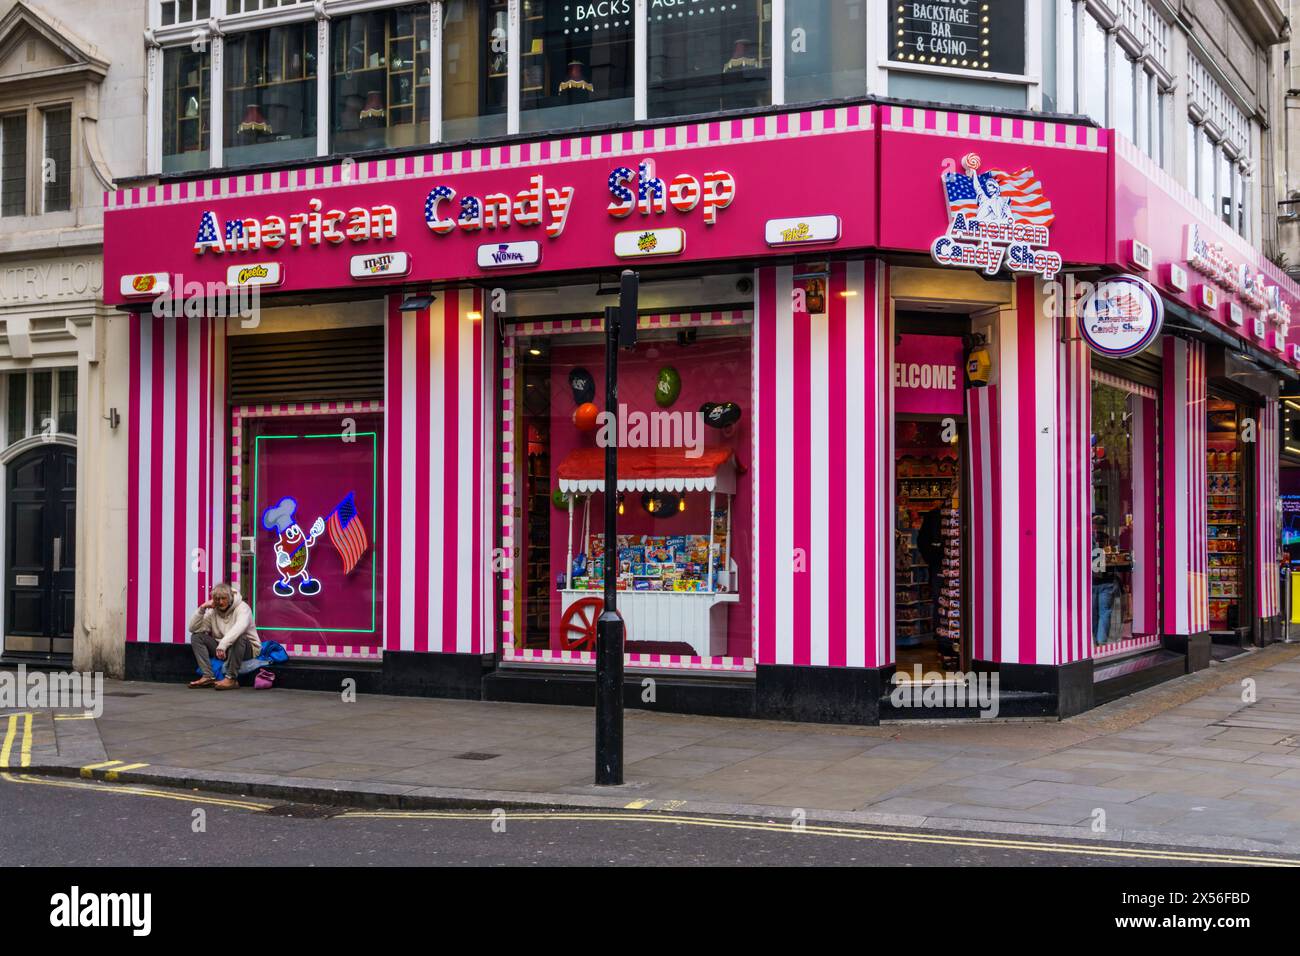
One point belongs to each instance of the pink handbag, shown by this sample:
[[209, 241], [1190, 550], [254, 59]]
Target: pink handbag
[[264, 679]]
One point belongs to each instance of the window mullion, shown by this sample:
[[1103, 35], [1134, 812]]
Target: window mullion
[[778, 52], [324, 120], [513, 78], [641, 67], [216, 102], [435, 71]]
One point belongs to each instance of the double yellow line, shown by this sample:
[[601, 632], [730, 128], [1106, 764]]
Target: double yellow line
[[108, 769], [852, 833], [25, 748]]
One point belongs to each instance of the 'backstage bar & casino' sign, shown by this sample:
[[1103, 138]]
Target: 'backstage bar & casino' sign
[[984, 35]]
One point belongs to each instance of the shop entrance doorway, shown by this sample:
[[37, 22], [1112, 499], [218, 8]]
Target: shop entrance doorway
[[1228, 522], [930, 437], [929, 602], [40, 533]]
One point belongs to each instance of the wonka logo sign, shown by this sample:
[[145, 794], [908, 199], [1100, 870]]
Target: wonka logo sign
[[996, 219]]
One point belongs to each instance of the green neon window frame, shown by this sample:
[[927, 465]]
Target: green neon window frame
[[374, 501]]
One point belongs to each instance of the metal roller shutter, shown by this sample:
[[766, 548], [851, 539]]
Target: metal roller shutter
[[327, 365]]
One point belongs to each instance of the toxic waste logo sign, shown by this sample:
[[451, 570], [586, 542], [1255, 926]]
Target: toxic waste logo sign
[[996, 219]]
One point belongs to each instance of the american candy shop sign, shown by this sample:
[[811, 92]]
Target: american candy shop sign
[[451, 212], [1121, 317], [996, 220]]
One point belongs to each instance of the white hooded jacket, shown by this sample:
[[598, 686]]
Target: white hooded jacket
[[227, 627]]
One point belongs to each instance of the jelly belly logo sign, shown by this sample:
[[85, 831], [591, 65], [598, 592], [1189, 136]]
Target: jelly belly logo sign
[[1121, 317], [996, 219], [928, 376]]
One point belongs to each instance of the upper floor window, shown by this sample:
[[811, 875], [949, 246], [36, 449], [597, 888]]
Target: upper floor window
[[270, 94], [711, 56], [56, 167], [575, 71], [475, 67], [1092, 73], [36, 174], [185, 11], [13, 164], [826, 49], [187, 114], [379, 78]]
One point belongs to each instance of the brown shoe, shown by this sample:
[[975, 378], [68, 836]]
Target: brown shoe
[[203, 682], [228, 683]]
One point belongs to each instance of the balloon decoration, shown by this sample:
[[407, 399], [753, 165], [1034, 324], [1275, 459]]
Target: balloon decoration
[[668, 386], [560, 499], [584, 416], [720, 415], [582, 385]]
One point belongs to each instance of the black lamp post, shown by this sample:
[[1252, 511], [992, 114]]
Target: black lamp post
[[620, 331]]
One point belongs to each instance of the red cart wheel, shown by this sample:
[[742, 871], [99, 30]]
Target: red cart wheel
[[578, 625]]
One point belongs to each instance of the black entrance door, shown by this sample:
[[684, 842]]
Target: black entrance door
[[40, 556]]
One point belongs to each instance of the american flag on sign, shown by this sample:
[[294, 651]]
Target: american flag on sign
[[1126, 305], [1021, 189], [348, 533]]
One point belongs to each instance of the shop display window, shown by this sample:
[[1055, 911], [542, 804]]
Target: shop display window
[[707, 56], [684, 503], [379, 79], [475, 37], [928, 559], [1124, 512], [270, 94], [576, 65], [826, 50], [1225, 479], [310, 510], [186, 124]]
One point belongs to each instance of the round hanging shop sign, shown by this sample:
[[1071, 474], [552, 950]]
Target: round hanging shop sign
[[1121, 317]]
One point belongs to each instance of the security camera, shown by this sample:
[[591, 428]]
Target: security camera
[[745, 286]]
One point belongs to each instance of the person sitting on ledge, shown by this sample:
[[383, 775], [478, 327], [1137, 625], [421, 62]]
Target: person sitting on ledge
[[223, 625]]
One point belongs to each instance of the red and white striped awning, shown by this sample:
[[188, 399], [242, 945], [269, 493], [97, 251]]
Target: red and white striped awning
[[651, 469]]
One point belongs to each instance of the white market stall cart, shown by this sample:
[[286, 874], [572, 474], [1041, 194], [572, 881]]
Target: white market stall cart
[[694, 617]]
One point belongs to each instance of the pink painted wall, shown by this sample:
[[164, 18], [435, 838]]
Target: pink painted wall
[[717, 370], [1151, 207], [912, 159]]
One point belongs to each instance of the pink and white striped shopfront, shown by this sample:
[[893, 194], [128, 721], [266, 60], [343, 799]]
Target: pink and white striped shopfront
[[877, 441]]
